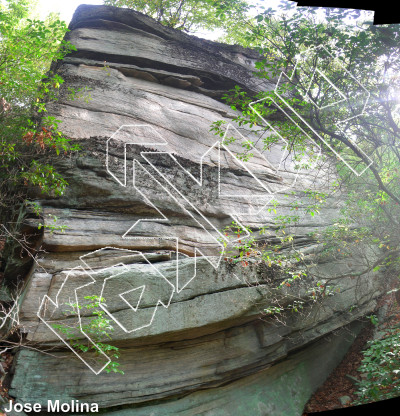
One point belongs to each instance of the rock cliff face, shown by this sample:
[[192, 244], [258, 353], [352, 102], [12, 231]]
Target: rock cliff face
[[148, 196]]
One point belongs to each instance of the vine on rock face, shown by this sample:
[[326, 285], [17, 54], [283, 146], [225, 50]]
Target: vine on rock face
[[98, 328], [359, 143], [292, 284]]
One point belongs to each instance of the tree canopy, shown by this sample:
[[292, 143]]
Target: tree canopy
[[338, 88], [337, 80], [30, 140], [341, 85], [28, 46], [189, 15]]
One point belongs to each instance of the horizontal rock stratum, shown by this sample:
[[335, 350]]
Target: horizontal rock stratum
[[149, 194]]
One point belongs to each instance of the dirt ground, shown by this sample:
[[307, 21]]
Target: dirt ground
[[342, 380]]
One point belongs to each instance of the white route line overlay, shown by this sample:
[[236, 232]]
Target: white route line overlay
[[56, 304], [88, 270], [162, 142], [42, 307], [164, 218], [216, 146], [290, 78]]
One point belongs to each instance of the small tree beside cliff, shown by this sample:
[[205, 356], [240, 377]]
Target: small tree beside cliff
[[30, 140], [339, 81]]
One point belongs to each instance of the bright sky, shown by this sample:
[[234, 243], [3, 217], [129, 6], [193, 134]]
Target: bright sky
[[66, 8]]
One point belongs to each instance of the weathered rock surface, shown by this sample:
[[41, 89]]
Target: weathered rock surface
[[205, 349]]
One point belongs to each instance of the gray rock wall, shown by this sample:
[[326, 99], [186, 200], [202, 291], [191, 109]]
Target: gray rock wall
[[197, 343]]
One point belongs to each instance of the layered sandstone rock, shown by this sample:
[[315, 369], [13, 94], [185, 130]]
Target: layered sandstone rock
[[152, 94]]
